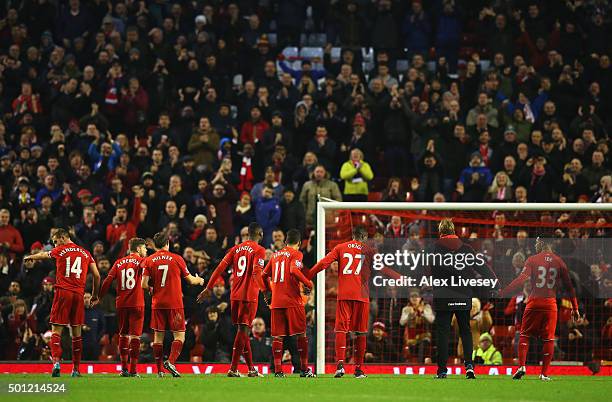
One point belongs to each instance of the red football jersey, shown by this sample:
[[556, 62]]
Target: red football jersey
[[285, 272], [72, 262], [166, 270], [548, 273], [354, 267], [247, 262], [128, 272]]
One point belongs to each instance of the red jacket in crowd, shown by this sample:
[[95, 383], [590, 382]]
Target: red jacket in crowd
[[10, 235], [114, 231]]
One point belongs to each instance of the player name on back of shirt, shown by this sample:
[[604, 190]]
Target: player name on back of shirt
[[63, 251], [282, 253], [243, 248], [162, 257], [127, 261]]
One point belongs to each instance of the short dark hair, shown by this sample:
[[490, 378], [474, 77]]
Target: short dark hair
[[293, 236], [160, 240], [254, 229], [360, 233], [136, 242], [60, 232]]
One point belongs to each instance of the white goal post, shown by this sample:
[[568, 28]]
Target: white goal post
[[324, 205]]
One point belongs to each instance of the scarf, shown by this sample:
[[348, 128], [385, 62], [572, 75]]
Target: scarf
[[196, 233], [246, 175], [528, 112], [484, 152], [111, 97]]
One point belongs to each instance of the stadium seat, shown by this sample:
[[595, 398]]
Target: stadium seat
[[273, 38], [503, 336], [315, 39], [368, 54], [106, 358], [374, 196], [311, 52], [234, 111], [402, 65], [368, 65], [197, 330], [336, 53], [196, 352], [291, 53]]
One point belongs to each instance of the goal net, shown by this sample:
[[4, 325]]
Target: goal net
[[402, 321]]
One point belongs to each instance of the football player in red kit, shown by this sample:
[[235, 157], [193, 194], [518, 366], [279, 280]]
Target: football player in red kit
[[288, 318], [68, 308], [246, 261], [129, 302], [546, 272], [352, 313], [165, 270]]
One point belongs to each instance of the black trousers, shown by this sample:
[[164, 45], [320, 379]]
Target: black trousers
[[443, 330]]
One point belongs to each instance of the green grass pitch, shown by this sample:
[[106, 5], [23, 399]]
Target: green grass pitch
[[110, 388]]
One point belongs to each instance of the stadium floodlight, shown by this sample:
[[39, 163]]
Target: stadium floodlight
[[433, 212]]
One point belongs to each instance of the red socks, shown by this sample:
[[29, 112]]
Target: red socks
[[124, 351], [238, 349], [77, 348], [548, 350], [523, 348], [56, 347], [158, 351], [340, 346], [277, 352], [360, 347], [134, 352], [247, 353], [175, 350], [302, 347]]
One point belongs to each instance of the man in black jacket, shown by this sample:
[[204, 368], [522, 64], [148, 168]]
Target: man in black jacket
[[217, 336], [293, 215], [450, 296]]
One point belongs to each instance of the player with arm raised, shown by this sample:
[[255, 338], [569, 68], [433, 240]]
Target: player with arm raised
[[352, 313], [288, 318], [165, 271], [68, 308], [547, 272], [129, 302], [247, 261]]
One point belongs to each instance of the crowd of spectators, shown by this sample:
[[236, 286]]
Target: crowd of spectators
[[122, 118]]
